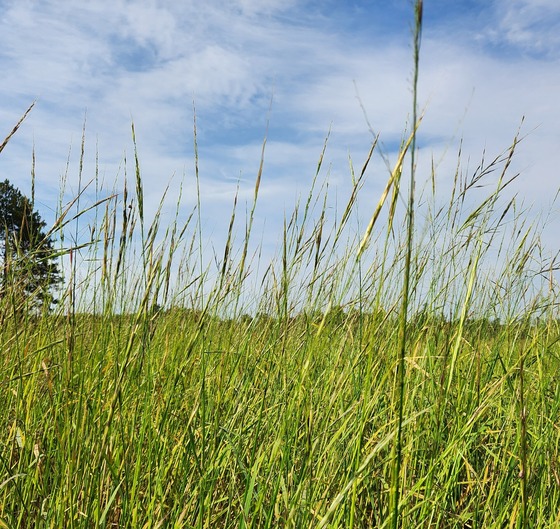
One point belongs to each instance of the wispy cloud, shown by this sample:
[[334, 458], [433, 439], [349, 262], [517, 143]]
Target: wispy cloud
[[531, 26], [484, 66]]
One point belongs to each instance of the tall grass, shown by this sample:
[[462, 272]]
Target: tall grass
[[401, 375]]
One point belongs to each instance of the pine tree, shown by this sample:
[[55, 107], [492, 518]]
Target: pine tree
[[29, 268]]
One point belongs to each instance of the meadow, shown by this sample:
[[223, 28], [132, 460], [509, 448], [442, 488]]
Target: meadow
[[402, 373]]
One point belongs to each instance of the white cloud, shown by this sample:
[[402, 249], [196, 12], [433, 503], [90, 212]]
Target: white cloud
[[529, 25], [147, 60]]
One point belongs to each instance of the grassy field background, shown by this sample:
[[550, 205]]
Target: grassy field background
[[398, 373]]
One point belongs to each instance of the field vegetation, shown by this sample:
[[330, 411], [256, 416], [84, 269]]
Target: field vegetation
[[402, 373]]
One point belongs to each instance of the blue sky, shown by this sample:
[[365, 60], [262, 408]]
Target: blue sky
[[484, 65]]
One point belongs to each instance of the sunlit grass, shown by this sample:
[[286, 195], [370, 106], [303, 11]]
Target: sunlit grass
[[164, 391]]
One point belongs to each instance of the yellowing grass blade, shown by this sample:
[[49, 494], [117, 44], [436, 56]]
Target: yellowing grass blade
[[395, 175]]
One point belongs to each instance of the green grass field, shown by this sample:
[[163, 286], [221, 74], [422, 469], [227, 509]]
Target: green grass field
[[398, 374]]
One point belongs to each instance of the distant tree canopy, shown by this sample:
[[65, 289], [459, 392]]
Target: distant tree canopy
[[29, 269]]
